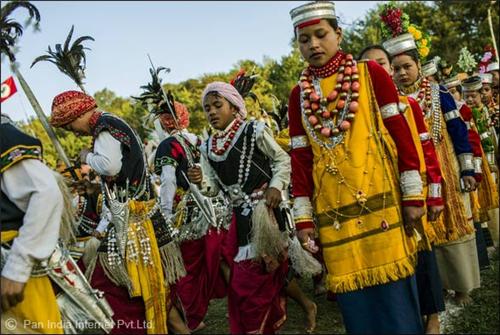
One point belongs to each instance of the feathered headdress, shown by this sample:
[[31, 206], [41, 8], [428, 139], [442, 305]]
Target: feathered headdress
[[244, 84], [395, 26], [153, 98]]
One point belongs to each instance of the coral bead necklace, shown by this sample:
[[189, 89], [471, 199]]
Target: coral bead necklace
[[229, 135], [346, 94]]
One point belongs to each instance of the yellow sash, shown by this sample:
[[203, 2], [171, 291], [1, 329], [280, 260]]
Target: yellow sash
[[38, 312], [148, 280], [358, 251], [453, 224]]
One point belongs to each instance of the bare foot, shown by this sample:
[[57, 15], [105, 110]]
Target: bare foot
[[462, 298], [201, 326], [311, 318], [432, 326]]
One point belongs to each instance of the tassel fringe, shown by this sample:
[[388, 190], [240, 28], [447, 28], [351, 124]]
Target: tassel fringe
[[265, 234], [372, 277], [116, 273], [90, 251], [173, 264], [453, 223], [304, 264], [68, 228]]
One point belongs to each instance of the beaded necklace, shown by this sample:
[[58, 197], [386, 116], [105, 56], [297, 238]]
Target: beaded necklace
[[229, 135], [428, 99], [345, 95]]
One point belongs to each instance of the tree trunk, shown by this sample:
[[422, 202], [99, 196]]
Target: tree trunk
[[43, 118]]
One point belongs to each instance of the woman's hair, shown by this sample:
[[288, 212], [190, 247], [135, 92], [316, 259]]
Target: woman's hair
[[374, 47], [332, 22], [413, 53]]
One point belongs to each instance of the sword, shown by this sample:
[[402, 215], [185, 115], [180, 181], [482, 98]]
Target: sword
[[201, 201]]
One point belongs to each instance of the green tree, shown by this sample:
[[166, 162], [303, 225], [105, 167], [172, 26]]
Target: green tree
[[451, 24]]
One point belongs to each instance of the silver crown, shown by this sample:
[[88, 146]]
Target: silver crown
[[429, 68], [451, 82], [400, 44], [311, 11], [472, 84], [486, 78], [492, 67]]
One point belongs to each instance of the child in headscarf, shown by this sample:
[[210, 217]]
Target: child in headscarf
[[243, 159]]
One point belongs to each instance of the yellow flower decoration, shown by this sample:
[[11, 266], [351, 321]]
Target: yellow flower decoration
[[411, 29], [424, 51], [417, 35], [423, 42]]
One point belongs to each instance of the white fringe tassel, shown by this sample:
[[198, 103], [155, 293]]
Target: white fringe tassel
[[265, 234], [304, 264]]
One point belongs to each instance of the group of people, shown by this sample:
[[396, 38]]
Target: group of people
[[391, 176]]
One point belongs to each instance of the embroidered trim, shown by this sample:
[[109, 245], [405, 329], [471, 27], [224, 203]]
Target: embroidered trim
[[411, 183], [478, 165], [162, 161], [300, 142], [424, 137], [389, 110], [434, 190], [465, 161], [302, 209], [18, 153], [453, 114], [467, 123], [117, 134]]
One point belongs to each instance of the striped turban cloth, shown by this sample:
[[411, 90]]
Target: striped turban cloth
[[182, 115], [69, 105], [229, 92]]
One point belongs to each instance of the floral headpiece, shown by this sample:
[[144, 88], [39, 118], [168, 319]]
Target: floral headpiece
[[396, 24], [466, 61], [488, 57]]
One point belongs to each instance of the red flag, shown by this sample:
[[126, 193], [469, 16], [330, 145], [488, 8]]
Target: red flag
[[8, 88]]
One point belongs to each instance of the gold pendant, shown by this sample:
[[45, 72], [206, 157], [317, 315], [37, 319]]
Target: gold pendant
[[332, 169], [336, 225], [361, 198]]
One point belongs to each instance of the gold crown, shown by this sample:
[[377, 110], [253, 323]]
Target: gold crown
[[472, 84], [429, 68], [400, 44], [451, 82], [311, 11]]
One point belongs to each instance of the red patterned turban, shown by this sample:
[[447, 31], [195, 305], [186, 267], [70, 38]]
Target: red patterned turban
[[69, 105], [182, 114]]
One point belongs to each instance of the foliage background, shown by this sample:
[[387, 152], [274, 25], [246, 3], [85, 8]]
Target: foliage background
[[452, 25]]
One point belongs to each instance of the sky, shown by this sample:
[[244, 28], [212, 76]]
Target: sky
[[189, 37]]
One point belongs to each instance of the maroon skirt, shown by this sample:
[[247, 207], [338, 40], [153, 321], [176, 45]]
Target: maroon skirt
[[256, 298], [204, 279], [129, 313]]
